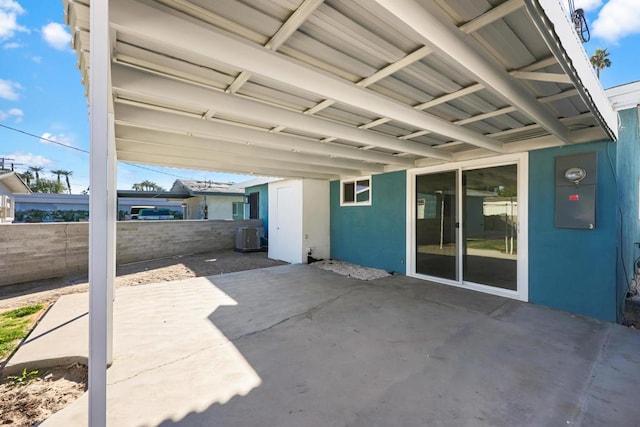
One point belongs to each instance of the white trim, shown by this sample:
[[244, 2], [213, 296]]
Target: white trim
[[355, 181], [522, 160], [624, 96], [573, 57]]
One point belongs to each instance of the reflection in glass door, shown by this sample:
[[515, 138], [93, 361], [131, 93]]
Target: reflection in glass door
[[489, 226], [436, 225]]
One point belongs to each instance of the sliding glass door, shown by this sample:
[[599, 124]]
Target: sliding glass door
[[436, 221], [489, 225], [466, 226]]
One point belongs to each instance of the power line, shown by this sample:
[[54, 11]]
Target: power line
[[44, 139], [154, 170], [84, 151]]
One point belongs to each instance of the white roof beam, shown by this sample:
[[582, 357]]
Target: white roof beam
[[450, 43], [454, 95], [126, 133], [284, 32], [179, 124], [172, 152], [542, 77], [172, 92], [474, 25], [159, 27], [212, 165]]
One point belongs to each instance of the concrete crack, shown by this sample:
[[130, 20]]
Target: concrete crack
[[581, 407], [308, 314], [144, 371]]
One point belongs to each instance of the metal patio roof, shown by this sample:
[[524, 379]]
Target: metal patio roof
[[338, 88]]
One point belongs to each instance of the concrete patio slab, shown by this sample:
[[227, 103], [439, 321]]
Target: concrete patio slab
[[295, 345]]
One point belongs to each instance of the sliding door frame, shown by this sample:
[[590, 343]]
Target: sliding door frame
[[522, 161]]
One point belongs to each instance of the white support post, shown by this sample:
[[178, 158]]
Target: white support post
[[112, 217], [99, 227]]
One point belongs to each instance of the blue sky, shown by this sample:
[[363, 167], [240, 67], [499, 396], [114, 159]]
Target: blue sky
[[41, 92]]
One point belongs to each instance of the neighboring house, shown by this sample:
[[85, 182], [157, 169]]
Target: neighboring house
[[10, 185], [211, 200], [256, 193], [75, 207]]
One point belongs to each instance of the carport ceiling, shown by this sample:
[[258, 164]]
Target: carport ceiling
[[337, 88]]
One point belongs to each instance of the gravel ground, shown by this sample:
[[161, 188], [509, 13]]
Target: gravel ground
[[139, 273]]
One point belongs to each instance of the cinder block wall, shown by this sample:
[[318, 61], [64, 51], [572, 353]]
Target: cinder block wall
[[42, 251]]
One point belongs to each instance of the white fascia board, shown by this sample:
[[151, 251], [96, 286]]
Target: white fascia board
[[559, 33], [624, 96]]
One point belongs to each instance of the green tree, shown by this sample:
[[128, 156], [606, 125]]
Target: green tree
[[36, 170], [67, 174], [46, 185], [600, 60], [146, 186], [27, 176], [57, 172]]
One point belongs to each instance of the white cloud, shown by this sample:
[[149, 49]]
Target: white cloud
[[9, 90], [588, 5], [37, 59], [617, 19], [9, 11], [27, 159], [49, 138], [14, 113], [56, 35], [11, 45]]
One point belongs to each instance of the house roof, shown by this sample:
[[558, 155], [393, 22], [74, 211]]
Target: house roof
[[205, 188], [241, 186], [14, 183], [337, 88], [624, 96]]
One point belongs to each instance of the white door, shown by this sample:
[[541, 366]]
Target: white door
[[285, 239]]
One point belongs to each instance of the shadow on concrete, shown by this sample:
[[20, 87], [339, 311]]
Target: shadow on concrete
[[332, 351]]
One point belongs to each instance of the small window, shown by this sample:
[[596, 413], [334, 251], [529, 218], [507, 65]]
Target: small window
[[356, 191], [238, 208]]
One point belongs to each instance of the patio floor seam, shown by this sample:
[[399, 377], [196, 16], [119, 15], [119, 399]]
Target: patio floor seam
[[307, 313], [582, 404]]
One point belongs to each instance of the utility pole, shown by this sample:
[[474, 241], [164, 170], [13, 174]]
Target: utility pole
[[5, 160]]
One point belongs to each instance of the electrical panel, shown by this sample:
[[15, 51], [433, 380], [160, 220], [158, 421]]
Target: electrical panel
[[576, 179]]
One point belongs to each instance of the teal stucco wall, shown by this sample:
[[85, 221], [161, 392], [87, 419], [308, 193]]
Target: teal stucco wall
[[573, 269], [263, 204], [628, 168], [373, 236]]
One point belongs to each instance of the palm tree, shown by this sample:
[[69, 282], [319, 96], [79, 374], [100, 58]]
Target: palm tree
[[600, 60], [147, 185], [36, 170], [57, 172], [67, 174], [27, 176]]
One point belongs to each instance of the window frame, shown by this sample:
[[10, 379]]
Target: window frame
[[355, 181]]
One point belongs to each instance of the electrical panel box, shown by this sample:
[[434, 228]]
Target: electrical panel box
[[576, 179]]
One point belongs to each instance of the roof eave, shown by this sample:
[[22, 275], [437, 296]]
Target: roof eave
[[624, 96], [558, 32], [15, 184]]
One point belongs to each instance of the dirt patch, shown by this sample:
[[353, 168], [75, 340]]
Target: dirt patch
[[52, 389], [140, 273], [31, 402]]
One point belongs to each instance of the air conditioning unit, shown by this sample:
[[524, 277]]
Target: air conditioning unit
[[248, 239]]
